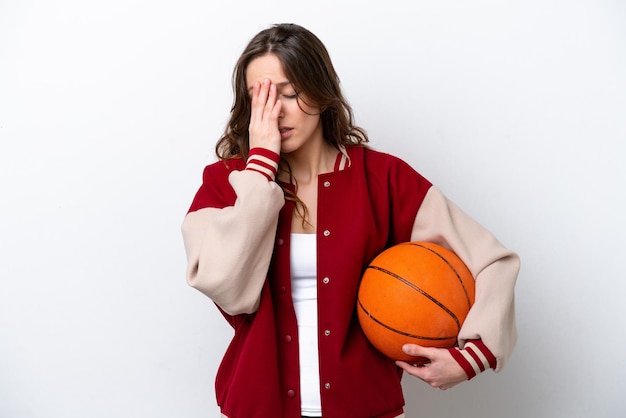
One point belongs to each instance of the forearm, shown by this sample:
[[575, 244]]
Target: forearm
[[229, 249], [494, 267]]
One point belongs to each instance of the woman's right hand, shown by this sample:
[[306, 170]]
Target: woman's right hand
[[264, 114]]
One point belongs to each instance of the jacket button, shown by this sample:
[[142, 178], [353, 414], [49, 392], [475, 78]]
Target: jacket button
[[291, 393], [325, 280], [283, 290], [280, 241], [287, 339], [326, 232], [327, 184], [327, 332], [326, 385]]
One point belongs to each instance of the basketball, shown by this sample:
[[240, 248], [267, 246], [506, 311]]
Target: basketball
[[417, 293]]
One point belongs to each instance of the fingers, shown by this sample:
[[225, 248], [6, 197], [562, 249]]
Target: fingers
[[264, 100], [261, 92], [428, 374], [418, 350], [422, 354], [441, 371], [264, 113]]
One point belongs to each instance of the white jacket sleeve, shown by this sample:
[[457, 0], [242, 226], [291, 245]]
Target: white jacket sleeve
[[494, 267], [229, 249]]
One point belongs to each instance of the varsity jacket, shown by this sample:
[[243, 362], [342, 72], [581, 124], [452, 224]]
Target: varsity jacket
[[237, 241]]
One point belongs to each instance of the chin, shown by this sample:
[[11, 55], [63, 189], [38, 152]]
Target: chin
[[287, 148], [296, 144]]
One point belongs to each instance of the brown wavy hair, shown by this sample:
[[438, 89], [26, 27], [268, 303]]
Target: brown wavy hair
[[307, 65]]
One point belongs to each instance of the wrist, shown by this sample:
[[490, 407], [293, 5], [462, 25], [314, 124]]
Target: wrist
[[474, 357], [264, 161]]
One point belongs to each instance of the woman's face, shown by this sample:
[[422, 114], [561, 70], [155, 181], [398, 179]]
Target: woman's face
[[299, 123]]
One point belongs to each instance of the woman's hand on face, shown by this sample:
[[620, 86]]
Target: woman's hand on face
[[264, 114], [442, 370]]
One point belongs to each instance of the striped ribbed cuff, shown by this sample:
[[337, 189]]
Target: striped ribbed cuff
[[263, 161], [474, 357]]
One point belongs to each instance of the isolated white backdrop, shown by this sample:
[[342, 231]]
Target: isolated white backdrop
[[110, 110]]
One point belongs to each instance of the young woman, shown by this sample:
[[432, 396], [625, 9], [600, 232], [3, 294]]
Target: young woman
[[283, 226]]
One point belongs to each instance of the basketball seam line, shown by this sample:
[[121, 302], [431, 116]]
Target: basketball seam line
[[411, 285], [406, 334], [456, 273]]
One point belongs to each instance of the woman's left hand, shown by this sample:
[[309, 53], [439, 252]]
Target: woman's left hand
[[441, 371]]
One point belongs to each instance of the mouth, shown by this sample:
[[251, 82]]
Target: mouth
[[285, 132]]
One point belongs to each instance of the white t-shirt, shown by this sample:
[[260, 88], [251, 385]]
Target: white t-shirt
[[304, 295]]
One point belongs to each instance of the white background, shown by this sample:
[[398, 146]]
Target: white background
[[110, 110]]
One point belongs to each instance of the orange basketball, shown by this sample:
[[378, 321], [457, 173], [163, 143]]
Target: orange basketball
[[414, 292]]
